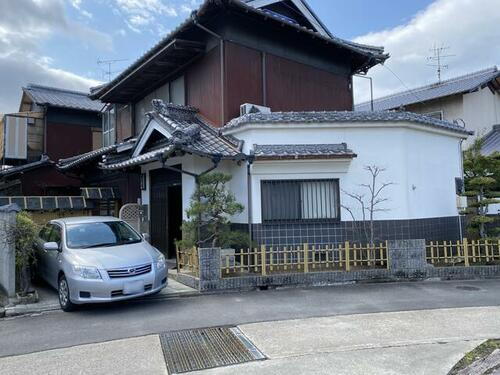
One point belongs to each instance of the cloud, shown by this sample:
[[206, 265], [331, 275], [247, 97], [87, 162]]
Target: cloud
[[143, 14], [469, 27], [77, 4], [24, 25]]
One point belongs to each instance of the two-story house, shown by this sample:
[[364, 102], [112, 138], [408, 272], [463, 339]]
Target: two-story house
[[51, 123], [471, 100], [263, 91]]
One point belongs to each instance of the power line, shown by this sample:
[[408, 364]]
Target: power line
[[400, 80]]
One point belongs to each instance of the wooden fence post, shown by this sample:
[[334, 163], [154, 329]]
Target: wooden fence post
[[387, 254], [466, 252], [347, 257], [263, 259], [306, 258]]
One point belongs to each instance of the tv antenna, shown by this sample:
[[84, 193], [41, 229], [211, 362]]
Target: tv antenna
[[108, 63], [437, 59]]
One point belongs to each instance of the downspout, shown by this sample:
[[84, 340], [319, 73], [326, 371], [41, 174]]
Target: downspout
[[463, 183], [222, 62], [250, 161]]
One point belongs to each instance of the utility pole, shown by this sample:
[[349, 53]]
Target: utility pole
[[108, 72], [437, 59]]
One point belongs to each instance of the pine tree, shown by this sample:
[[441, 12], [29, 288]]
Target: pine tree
[[482, 186], [212, 205]]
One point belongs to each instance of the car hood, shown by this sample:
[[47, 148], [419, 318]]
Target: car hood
[[116, 256]]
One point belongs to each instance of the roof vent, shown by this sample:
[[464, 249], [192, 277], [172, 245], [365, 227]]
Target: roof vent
[[253, 108]]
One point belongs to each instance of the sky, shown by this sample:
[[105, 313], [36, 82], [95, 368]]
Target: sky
[[59, 42]]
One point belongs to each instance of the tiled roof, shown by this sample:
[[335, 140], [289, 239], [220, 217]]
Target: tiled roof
[[62, 98], [44, 161], [342, 117], [374, 54], [462, 84], [77, 160], [189, 133], [491, 141], [302, 151]]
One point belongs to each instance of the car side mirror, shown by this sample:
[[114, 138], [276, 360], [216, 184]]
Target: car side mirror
[[146, 236], [51, 246]]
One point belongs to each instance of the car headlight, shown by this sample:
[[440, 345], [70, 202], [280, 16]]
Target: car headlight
[[160, 262], [87, 272]]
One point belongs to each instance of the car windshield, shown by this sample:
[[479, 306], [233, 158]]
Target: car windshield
[[100, 234]]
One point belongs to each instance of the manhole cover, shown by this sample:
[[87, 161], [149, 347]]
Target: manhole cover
[[199, 349], [469, 288]]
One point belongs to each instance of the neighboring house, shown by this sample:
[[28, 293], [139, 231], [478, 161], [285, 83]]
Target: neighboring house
[[491, 141], [472, 100], [293, 151], [52, 123]]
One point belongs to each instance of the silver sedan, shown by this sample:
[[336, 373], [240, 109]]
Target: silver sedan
[[98, 259]]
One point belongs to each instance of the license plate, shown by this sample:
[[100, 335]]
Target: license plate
[[133, 287]]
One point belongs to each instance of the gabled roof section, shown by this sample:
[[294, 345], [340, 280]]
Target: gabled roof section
[[463, 84], [179, 48], [491, 141], [297, 11], [341, 117], [184, 132], [56, 97]]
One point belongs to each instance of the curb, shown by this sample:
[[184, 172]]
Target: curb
[[19, 310]]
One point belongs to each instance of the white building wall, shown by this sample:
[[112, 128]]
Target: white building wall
[[421, 164], [481, 111]]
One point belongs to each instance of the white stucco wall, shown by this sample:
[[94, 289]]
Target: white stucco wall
[[481, 111], [422, 164]]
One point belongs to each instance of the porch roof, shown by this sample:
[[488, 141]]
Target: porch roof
[[342, 117], [78, 160], [302, 151], [187, 133], [12, 171]]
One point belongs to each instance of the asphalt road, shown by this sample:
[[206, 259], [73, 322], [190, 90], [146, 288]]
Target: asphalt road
[[102, 323]]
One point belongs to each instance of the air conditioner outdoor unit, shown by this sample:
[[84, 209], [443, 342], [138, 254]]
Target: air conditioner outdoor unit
[[253, 108]]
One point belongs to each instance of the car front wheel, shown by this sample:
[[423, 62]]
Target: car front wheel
[[64, 296]]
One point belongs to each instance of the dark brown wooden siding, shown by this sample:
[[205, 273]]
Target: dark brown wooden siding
[[66, 140], [292, 86], [243, 78], [203, 87]]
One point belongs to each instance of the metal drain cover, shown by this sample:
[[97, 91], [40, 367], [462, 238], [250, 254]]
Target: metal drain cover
[[200, 349]]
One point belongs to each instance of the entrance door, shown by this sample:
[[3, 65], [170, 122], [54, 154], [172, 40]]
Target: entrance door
[[166, 210]]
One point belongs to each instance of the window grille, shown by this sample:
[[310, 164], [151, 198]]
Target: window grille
[[300, 200]]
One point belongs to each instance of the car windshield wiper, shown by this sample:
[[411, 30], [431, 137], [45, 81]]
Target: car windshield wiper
[[105, 244], [128, 242]]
